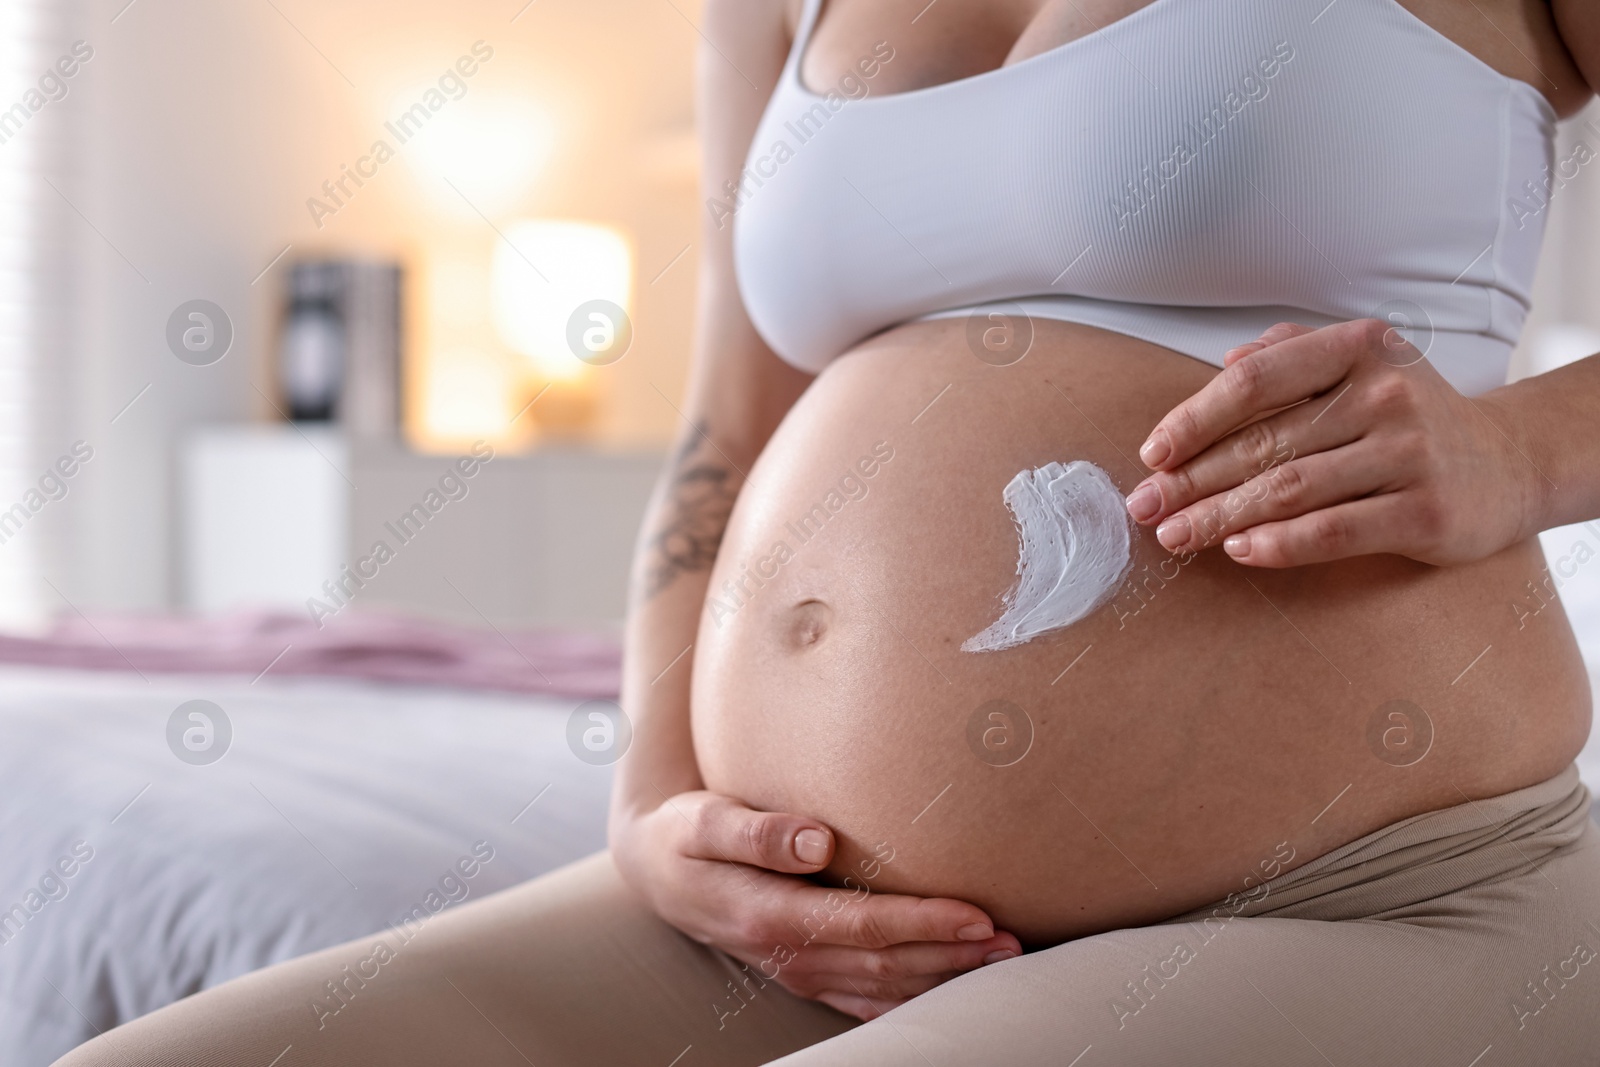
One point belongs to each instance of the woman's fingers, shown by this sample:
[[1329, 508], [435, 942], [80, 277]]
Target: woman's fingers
[[878, 920], [1361, 527], [1281, 332], [1314, 446], [905, 970], [1256, 383], [780, 910], [1283, 492], [1246, 453], [733, 881], [862, 952], [804, 934], [720, 828]]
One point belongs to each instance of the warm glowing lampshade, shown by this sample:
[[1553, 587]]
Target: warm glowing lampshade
[[468, 397], [544, 271]]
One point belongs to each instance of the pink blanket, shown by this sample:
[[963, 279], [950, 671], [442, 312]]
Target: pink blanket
[[380, 647]]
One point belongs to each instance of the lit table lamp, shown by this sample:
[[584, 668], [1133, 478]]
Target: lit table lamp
[[562, 293]]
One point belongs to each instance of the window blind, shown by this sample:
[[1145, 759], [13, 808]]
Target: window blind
[[32, 309]]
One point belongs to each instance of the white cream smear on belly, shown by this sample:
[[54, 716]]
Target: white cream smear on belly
[[1076, 549]]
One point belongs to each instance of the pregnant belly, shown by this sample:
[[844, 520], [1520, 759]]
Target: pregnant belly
[[1204, 728]]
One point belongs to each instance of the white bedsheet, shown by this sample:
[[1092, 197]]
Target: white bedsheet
[[338, 806]]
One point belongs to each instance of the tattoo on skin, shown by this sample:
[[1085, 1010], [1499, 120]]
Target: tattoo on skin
[[699, 499]]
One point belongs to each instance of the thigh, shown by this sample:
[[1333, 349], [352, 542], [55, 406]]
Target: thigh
[[1505, 974], [570, 968]]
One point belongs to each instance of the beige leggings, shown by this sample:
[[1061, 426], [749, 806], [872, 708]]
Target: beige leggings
[[1467, 937]]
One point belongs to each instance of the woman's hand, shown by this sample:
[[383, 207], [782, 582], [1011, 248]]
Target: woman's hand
[[1316, 445], [729, 876]]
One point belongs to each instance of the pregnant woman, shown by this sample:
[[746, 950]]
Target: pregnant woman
[[1094, 614]]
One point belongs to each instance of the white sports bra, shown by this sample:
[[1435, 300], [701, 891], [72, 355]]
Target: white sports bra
[[1188, 175]]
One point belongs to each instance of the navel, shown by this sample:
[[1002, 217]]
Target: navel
[[807, 623]]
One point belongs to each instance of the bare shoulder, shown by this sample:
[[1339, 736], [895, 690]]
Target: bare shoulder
[[751, 26], [744, 44], [743, 47], [737, 383]]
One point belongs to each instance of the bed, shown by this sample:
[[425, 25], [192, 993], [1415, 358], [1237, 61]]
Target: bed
[[133, 878]]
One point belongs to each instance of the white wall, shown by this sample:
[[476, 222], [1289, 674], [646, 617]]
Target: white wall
[[207, 125], [193, 109], [36, 252]]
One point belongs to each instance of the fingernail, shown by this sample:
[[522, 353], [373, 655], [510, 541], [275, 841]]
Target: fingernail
[[1144, 503], [1174, 533], [975, 932], [811, 846], [997, 955], [1237, 545], [1155, 451]]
